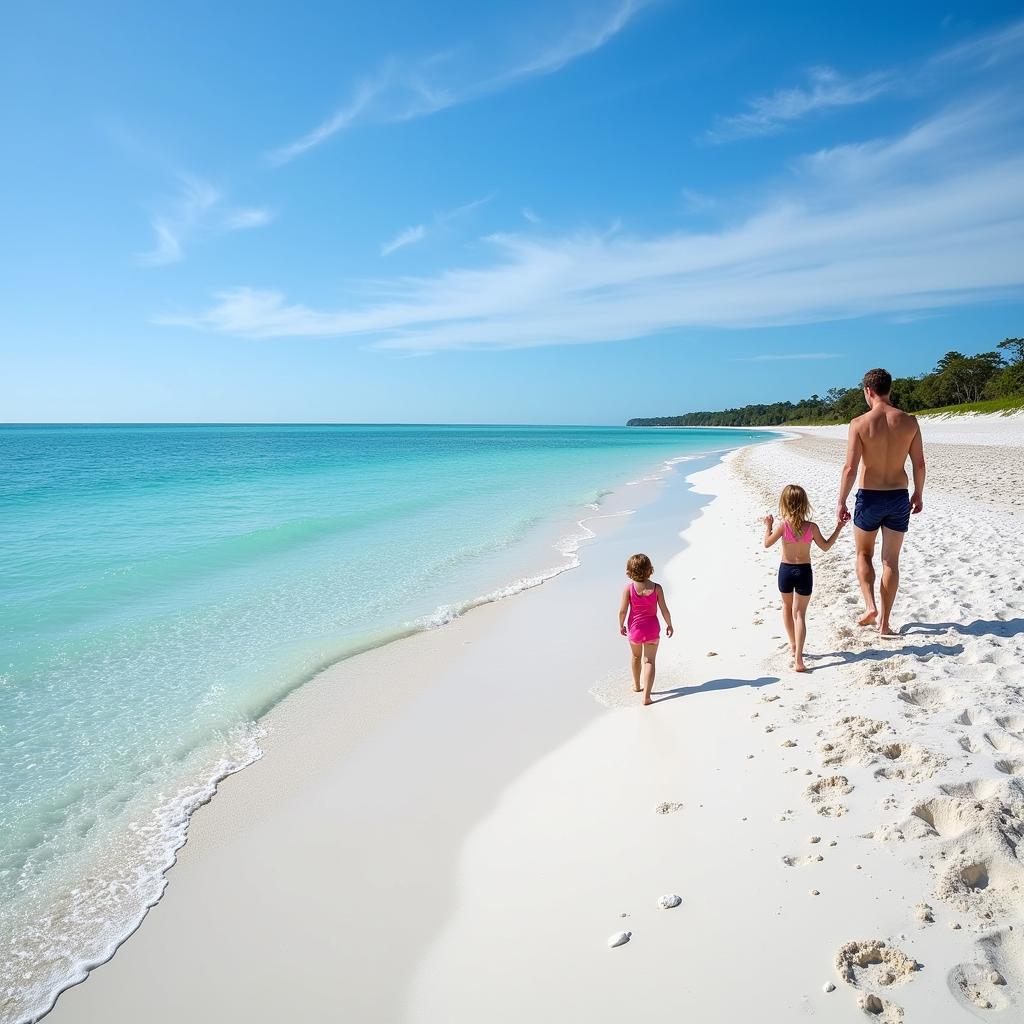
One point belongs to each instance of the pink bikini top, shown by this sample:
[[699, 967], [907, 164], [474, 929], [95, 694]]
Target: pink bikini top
[[788, 535]]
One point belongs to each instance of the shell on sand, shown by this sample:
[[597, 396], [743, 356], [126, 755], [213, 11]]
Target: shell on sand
[[619, 939], [669, 900]]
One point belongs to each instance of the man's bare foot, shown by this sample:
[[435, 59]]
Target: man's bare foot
[[867, 618], [799, 665], [636, 689], [886, 631], [647, 700]]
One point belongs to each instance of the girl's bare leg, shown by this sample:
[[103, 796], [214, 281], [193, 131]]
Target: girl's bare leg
[[800, 629], [635, 654], [650, 652], [787, 620]]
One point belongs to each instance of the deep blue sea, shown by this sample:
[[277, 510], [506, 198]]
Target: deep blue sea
[[161, 587]]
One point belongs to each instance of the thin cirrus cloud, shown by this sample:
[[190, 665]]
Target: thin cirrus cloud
[[401, 91], [410, 236], [196, 209], [826, 89], [417, 232], [939, 223], [985, 50]]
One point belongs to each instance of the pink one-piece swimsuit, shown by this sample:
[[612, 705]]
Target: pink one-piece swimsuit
[[643, 625]]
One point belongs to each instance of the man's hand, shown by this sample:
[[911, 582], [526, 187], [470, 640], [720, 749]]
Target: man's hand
[[916, 502], [842, 513]]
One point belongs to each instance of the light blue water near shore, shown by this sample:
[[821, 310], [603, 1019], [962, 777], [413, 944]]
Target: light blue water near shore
[[161, 587]]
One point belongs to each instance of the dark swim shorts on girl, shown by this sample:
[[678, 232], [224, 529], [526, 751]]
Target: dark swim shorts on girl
[[796, 577]]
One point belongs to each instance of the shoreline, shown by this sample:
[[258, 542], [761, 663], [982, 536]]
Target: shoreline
[[637, 493], [494, 819]]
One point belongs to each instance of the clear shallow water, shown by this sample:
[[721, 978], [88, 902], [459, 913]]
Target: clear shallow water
[[161, 587]]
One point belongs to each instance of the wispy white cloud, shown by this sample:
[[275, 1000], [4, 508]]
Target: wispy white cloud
[[588, 34], [409, 236], [983, 123], [697, 202], [442, 218], [401, 91], [915, 223], [447, 216], [530, 216], [785, 357], [365, 92], [186, 211], [986, 50], [196, 209], [826, 89], [248, 217]]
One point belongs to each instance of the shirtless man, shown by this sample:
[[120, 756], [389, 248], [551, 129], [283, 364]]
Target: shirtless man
[[882, 439]]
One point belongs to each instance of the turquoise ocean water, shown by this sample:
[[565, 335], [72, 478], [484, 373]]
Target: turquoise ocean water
[[161, 587]]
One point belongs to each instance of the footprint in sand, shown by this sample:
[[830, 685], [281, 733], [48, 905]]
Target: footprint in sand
[[870, 963], [946, 816], [824, 795], [1011, 723], [928, 697], [1003, 742], [995, 979], [909, 762], [980, 879]]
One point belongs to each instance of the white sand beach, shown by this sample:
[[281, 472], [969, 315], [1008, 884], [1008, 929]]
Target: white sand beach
[[451, 828]]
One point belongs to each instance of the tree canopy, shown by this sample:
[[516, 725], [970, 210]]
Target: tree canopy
[[956, 379]]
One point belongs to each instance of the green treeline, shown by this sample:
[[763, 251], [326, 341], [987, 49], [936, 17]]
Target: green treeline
[[956, 380]]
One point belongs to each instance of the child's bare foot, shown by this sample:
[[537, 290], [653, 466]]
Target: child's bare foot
[[868, 618], [799, 665], [647, 700], [885, 630]]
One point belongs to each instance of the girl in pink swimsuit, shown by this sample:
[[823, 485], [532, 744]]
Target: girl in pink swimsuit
[[638, 620]]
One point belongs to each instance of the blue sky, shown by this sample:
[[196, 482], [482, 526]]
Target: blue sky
[[533, 212]]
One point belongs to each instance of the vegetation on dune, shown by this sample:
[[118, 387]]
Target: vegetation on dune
[[986, 382]]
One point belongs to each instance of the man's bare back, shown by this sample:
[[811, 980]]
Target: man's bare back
[[878, 445], [886, 435]]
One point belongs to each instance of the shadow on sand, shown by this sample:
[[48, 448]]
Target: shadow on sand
[[980, 627], [923, 651], [712, 684]]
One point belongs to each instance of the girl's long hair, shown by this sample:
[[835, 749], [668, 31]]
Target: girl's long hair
[[795, 508]]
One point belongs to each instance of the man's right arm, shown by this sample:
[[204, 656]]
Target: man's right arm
[[918, 466], [853, 454]]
